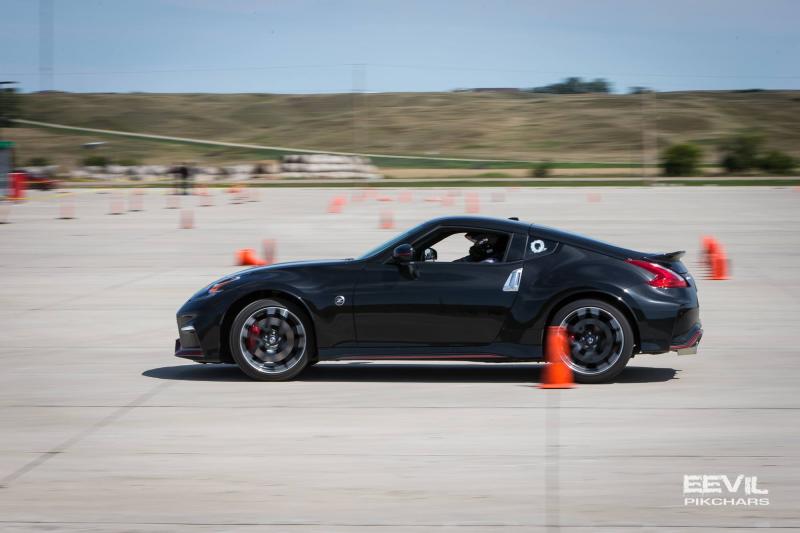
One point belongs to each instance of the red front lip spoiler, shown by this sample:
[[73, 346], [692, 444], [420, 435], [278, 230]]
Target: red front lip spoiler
[[693, 341]]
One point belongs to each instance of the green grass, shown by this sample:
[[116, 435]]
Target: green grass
[[200, 150], [573, 131]]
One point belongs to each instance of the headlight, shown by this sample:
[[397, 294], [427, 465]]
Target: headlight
[[219, 285]]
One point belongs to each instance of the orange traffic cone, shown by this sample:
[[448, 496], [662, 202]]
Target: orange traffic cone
[[135, 202], [207, 199], [386, 220], [173, 202], [719, 265], [187, 219], [473, 203], [710, 246], [557, 375], [66, 208], [336, 204], [116, 205], [248, 257], [715, 259]]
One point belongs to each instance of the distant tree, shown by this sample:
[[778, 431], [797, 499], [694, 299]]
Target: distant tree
[[597, 85], [574, 85], [38, 162], [96, 161], [740, 152], [9, 105], [776, 162], [682, 160], [542, 169], [637, 89]]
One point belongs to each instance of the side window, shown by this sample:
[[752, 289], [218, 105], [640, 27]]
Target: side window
[[452, 247], [464, 246], [538, 247]]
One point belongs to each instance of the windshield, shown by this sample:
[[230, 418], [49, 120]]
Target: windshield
[[394, 241]]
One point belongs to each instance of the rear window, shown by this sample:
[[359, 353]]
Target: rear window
[[538, 247]]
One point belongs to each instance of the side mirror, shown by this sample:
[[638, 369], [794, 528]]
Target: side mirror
[[430, 255], [403, 254]]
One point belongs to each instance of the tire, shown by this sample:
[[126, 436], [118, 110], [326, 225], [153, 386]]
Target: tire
[[601, 339], [272, 340]]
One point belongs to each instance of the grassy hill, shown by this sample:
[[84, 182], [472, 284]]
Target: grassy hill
[[595, 128]]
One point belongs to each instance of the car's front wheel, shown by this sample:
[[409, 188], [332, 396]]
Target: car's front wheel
[[271, 340], [601, 339]]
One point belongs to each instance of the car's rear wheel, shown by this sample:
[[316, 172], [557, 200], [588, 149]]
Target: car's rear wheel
[[601, 339], [271, 340]]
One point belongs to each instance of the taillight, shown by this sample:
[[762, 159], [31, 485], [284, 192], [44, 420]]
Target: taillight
[[664, 277]]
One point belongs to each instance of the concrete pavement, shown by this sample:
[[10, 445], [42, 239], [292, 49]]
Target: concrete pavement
[[103, 430]]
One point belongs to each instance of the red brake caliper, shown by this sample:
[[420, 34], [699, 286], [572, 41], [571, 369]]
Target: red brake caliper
[[252, 337]]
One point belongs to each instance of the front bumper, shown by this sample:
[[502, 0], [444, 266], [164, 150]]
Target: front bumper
[[195, 354], [687, 344], [188, 344]]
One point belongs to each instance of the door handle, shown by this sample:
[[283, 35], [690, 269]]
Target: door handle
[[513, 281]]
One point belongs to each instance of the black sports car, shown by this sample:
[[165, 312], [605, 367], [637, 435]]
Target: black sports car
[[455, 288]]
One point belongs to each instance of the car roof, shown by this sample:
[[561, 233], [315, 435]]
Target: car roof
[[507, 224], [582, 241], [490, 223]]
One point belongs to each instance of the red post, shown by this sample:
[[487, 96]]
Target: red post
[[17, 185]]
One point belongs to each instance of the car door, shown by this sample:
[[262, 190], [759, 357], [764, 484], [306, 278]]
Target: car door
[[432, 303]]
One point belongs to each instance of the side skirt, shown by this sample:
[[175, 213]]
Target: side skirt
[[500, 352]]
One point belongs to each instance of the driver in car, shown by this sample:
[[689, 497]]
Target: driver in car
[[483, 250]]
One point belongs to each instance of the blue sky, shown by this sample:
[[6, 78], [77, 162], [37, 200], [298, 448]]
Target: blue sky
[[309, 46]]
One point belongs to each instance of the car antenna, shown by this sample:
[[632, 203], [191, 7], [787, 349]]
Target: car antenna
[[514, 218]]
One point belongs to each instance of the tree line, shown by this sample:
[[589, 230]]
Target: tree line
[[741, 153]]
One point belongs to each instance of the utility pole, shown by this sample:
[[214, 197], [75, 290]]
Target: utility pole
[[45, 45]]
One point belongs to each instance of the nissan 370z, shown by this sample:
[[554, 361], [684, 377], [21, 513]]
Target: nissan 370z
[[453, 288]]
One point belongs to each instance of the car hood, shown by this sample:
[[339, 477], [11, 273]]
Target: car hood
[[294, 264]]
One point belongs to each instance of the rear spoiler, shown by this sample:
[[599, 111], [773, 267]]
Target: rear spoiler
[[669, 256]]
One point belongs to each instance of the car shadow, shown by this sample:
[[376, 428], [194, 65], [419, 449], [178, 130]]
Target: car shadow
[[197, 372], [414, 373]]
